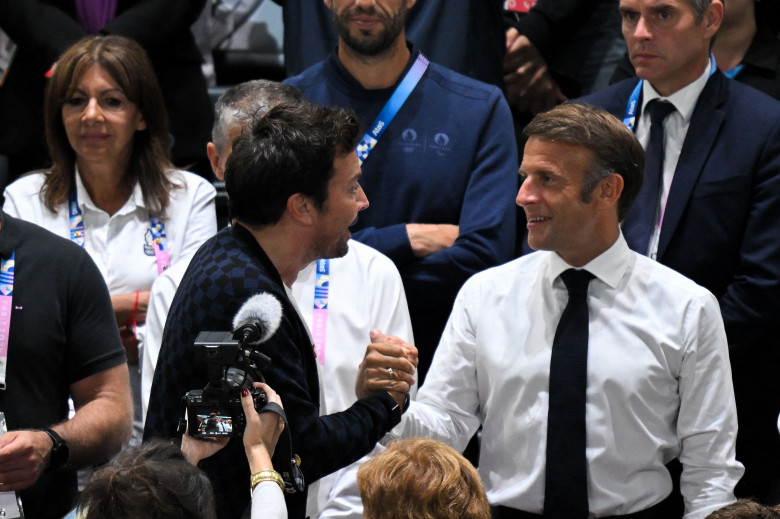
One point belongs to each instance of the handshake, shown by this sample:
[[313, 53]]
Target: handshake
[[389, 365]]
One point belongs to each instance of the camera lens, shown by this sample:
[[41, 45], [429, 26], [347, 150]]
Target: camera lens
[[237, 377]]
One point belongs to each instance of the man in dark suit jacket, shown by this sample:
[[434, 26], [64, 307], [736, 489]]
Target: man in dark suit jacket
[[718, 216]]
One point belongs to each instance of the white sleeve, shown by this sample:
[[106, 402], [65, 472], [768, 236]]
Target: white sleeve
[[448, 404], [268, 501], [23, 200], [343, 499], [160, 299], [9, 206], [201, 223], [707, 421]]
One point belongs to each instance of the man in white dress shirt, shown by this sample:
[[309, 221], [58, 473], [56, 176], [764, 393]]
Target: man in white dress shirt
[[658, 381]]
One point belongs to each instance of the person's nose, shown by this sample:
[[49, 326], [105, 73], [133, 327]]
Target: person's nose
[[362, 199], [92, 110], [642, 29], [526, 194]]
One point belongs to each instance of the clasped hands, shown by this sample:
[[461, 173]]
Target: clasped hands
[[389, 365]]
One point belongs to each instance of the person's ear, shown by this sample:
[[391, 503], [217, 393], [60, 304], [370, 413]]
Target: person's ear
[[302, 209], [140, 122], [713, 17], [211, 151], [609, 190]]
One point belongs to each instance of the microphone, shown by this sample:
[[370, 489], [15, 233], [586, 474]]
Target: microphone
[[257, 319]]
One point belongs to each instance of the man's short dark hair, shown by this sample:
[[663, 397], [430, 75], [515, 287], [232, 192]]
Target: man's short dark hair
[[289, 150], [614, 147]]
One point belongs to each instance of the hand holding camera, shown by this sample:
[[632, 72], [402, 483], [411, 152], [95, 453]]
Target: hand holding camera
[[260, 435], [233, 363], [262, 430]]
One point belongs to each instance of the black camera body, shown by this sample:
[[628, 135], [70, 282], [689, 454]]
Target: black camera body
[[215, 411]]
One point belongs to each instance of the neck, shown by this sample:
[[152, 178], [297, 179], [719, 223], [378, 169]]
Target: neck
[[734, 39], [288, 256], [675, 84], [379, 71], [105, 187], [603, 240]]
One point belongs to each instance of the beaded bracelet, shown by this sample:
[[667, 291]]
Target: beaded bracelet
[[266, 475]]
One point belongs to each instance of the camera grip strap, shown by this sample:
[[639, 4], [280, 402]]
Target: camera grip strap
[[283, 454]]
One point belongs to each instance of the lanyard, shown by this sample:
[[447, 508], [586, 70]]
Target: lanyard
[[320, 315], [160, 243], [6, 296], [156, 226], [629, 119], [75, 220], [391, 108], [734, 72]]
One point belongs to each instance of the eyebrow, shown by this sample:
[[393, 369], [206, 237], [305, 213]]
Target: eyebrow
[[102, 92], [664, 6]]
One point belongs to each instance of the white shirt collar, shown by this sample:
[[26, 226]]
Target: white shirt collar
[[609, 266], [135, 201], [684, 100]]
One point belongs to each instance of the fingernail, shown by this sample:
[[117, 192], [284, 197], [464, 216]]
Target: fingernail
[[244, 391]]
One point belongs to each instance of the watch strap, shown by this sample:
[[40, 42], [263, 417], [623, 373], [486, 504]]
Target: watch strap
[[395, 409], [60, 453]]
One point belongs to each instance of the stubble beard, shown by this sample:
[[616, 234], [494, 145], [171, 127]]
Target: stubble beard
[[370, 45]]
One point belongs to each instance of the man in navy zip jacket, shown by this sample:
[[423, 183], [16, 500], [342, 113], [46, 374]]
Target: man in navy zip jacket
[[466, 36], [440, 178], [717, 220]]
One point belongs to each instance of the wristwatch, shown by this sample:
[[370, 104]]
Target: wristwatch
[[60, 453], [395, 409]]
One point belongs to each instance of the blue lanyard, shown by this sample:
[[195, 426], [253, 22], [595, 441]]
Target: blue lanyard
[[75, 220], [629, 119], [321, 284], [156, 226], [7, 268], [320, 314], [391, 108], [734, 72]]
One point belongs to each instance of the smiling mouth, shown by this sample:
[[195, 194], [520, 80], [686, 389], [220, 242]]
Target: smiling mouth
[[538, 219]]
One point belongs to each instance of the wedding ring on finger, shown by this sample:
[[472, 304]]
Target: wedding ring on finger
[[391, 373]]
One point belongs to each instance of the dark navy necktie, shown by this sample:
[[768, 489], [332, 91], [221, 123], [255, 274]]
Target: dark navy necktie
[[638, 225], [566, 481]]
